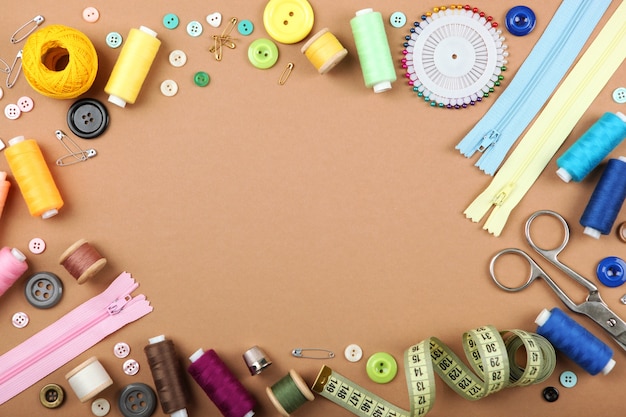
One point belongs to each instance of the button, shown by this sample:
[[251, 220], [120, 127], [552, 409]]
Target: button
[[169, 88], [245, 27], [87, 118], [36, 245], [91, 14], [520, 20], [288, 21], [177, 58], [619, 95], [621, 232], [170, 21], [568, 379], [114, 40], [43, 290], [137, 400], [263, 53], [381, 367], [550, 394], [131, 367], [353, 353], [25, 104], [1, 92], [214, 19], [121, 350], [201, 79], [611, 271], [12, 111], [397, 19], [194, 28], [20, 320], [100, 407], [51, 396]]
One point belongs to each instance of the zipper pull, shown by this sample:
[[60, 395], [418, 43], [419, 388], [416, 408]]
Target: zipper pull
[[118, 305], [503, 194], [488, 140]]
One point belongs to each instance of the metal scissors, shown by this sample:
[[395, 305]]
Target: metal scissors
[[593, 306]]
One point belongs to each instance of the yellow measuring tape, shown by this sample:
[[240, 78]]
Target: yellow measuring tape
[[491, 354]]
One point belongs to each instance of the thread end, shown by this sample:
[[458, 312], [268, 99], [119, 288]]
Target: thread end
[[157, 339], [17, 254], [16, 140], [608, 367], [563, 174], [180, 413], [543, 317], [590, 231], [117, 101], [49, 213], [196, 355], [621, 116], [364, 11], [382, 86]]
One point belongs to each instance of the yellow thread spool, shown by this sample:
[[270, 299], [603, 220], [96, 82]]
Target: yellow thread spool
[[324, 51], [59, 62], [33, 177], [132, 66]]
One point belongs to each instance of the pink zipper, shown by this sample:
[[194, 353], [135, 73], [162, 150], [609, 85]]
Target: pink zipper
[[71, 335]]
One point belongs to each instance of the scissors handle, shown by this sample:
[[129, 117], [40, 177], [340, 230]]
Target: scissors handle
[[534, 273]]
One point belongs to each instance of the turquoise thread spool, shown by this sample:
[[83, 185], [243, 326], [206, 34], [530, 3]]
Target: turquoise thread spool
[[372, 47]]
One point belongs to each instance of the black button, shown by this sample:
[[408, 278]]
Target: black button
[[550, 394], [43, 290], [137, 400], [88, 118]]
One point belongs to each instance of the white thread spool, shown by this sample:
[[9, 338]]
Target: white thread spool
[[88, 379]]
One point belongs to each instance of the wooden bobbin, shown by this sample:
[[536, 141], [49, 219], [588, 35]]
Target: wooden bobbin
[[300, 384], [621, 232], [88, 379], [82, 261], [324, 51]]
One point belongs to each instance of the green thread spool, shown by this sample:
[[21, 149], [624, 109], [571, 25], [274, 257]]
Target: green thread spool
[[289, 393], [372, 47]]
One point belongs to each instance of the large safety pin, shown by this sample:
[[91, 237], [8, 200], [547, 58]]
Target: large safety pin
[[35, 22], [284, 76], [11, 82], [77, 153]]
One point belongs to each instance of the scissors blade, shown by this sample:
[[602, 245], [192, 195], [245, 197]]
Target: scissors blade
[[599, 312]]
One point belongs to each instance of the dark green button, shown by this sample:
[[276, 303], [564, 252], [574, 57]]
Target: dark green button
[[201, 79]]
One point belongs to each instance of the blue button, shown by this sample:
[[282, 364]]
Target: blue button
[[568, 379], [397, 19], [520, 20], [170, 21], [114, 40], [245, 27], [611, 271], [194, 28]]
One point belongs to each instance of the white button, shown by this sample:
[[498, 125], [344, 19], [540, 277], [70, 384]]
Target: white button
[[1, 92], [353, 353], [121, 350], [131, 367], [169, 88], [178, 58], [25, 104], [194, 28], [12, 111], [619, 95], [20, 320], [91, 14], [36, 245], [100, 407], [214, 19]]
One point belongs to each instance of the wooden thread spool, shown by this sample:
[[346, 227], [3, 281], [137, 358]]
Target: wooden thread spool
[[82, 261], [289, 393], [324, 51], [88, 379]]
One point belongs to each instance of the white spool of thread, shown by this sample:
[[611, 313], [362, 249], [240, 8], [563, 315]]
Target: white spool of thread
[[88, 379]]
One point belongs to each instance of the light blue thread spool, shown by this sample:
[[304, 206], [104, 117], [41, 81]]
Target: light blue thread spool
[[575, 342], [592, 147]]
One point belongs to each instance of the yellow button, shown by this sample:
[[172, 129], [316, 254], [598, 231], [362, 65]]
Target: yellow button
[[288, 21]]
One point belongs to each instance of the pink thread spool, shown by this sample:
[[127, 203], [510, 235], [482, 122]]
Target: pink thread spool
[[222, 387], [12, 267]]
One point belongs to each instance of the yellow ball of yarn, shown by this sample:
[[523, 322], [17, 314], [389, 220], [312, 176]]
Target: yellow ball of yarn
[[59, 62]]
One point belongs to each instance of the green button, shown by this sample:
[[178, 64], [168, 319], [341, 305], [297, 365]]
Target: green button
[[201, 79], [263, 53], [381, 367]]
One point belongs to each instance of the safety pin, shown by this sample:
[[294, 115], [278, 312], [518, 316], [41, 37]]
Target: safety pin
[[299, 353], [8, 68], [231, 25], [79, 155], [35, 22], [10, 83], [285, 74]]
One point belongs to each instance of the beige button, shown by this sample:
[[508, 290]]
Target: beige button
[[100, 407]]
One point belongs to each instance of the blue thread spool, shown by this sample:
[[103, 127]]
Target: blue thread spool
[[575, 342], [592, 147], [606, 200]]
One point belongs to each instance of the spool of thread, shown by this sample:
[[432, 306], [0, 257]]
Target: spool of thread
[[59, 62], [12, 267], [222, 387], [33, 177], [324, 51], [132, 66], [289, 393], [168, 376], [593, 146], [372, 47], [88, 379], [575, 342], [4, 190], [82, 261], [256, 360], [606, 200]]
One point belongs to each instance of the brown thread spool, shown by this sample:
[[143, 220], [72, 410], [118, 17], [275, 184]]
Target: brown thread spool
[[167, 374], [82, 261]]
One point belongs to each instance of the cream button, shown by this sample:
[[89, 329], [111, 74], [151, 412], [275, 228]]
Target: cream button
[[169, 88], [177, 58], [100, 407], [353, 353]]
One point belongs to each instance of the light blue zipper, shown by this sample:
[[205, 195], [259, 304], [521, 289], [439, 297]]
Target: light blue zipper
[[535, 81]]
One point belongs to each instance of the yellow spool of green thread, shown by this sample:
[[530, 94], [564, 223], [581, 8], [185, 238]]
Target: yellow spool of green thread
[[132, 66], [289, 393], [372, 47], [324, 51], [59, 62]]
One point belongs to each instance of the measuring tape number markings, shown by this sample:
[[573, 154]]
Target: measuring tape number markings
[[491, 357]]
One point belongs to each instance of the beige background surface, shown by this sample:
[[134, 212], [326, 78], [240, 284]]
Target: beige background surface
[[314, 214]]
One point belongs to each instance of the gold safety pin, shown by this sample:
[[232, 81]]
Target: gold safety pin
[[11, 82], [285, 74], [299, 353], [77, 153], [224, 40], [35, 22]]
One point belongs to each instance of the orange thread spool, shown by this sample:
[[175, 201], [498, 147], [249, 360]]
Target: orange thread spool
[[33, 177], [82, 261], [4, 190]]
